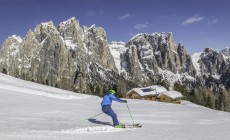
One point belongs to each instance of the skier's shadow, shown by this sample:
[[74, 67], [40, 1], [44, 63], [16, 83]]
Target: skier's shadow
[[98, 122]]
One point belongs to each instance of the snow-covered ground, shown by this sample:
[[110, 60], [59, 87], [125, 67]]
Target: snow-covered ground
[[31, 111]]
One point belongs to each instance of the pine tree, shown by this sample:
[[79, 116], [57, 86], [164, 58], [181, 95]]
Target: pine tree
[[226, 100], [4, 71], [209, 102], [98, 91], [165, 84]]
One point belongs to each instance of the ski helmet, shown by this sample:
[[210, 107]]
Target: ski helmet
[[112, 91]]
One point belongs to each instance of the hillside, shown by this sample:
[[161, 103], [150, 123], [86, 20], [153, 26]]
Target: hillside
[[32, 111]]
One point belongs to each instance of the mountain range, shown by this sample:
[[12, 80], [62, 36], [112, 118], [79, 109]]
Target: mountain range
[[80, 59]]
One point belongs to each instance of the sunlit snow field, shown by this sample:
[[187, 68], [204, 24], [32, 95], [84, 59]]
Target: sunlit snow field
[[31, 111]]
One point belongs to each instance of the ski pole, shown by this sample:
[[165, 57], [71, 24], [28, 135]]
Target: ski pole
[[130, 113], [92, 116]]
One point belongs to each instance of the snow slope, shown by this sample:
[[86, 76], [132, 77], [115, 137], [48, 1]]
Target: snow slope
[[29, 111]]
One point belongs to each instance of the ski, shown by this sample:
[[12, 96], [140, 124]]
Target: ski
[[138, 125]]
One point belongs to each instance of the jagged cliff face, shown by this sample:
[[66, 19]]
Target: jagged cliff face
[[80, 59], [212, 67], [59, 56], [149, 58], [9, 54]]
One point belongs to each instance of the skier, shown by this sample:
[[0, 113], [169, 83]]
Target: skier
[[106, 106]]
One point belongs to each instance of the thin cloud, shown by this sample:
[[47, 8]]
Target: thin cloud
[[192, 20], [214, 21], [94, 12], [130, 34], [125, 16], [141, 26]]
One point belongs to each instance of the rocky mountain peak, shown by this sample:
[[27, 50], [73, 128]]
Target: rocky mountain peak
[[225, 52], [72, 22], [9, 53], [171, 41], [46, 27], [207, 51], [16, 38], [70, 30], [46, 30], [97, 32], [150, 56], [12, 42], [210, 62], [181, 49]]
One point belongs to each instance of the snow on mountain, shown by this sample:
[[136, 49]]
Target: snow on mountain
[[66, 23], [225, 52], [140, 36], [47, 27], [28, 112], [10, 48], [117, 49], [208, 61], [70, 44], [14, 42], [137, 36], [195, 59], [18, 38], [92, 27], [173, 78]]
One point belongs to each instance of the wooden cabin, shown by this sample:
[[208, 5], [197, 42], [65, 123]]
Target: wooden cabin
[[146, 93], [170, 97]]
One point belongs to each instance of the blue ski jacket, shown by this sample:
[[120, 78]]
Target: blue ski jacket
[[108, 98]]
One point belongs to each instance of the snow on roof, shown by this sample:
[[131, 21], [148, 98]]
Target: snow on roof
[[151, 90], [158, 88], [172, 94], [144, 91]]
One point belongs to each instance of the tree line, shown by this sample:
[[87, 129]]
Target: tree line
[[219, 100]]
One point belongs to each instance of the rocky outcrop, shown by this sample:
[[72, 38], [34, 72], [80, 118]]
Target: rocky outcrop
[[9, 55], [80, 59], [186, 61], [58, 56], [212, 62], [225, 52], [150, 56], [212, 68]]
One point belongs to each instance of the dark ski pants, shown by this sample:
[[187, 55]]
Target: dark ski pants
[[108, 110]]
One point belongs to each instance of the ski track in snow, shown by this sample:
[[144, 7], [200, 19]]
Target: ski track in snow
[[62, 134], [90, 129], [54, 116]]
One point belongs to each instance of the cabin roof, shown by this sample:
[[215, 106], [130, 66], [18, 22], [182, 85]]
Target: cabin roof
[[172, 94], [151, 90]]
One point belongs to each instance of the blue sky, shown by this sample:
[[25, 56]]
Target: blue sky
[[196, 23]]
